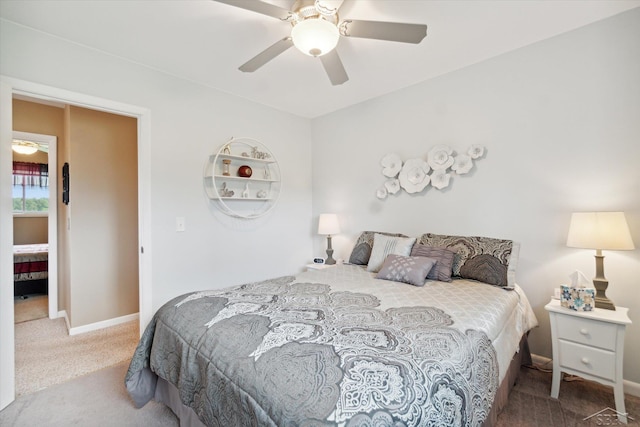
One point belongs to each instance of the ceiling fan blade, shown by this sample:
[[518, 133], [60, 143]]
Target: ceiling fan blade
[[334, 68], [391, 31], [260, 7], [266, 55]]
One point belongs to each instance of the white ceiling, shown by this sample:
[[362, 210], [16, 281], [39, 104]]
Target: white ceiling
[[205, 41]]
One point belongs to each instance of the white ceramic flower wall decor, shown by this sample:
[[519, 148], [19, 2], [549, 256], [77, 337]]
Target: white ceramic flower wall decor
[[391, 164], [440, 179], [381, 193], [462, 164], [415, 175], [440, 157], [476, 151], [392, 186]]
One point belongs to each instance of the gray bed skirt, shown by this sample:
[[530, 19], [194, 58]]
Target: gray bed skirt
[[168, 394]]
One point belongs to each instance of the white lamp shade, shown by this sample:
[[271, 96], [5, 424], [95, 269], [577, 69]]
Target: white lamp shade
[[328, 224], [599, 230], [315, 37]]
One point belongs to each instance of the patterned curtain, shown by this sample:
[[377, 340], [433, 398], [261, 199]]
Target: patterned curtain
[[31, 174]]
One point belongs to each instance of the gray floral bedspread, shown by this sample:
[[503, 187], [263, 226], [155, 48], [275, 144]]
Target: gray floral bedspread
[[280, 353]]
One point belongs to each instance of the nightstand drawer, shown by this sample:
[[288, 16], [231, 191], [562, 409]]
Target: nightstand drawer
[[589, 360], [588, 332]]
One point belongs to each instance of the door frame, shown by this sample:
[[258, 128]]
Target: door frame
[[10, 86], [52, 215]]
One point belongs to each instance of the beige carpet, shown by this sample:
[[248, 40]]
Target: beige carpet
[[98, 399], [47, 355], [32, 308]]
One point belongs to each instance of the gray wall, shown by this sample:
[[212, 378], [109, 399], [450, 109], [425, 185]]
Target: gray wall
[[561, 123]]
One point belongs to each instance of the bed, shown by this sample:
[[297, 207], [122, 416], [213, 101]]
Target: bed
[[341, 346], [30, 268]]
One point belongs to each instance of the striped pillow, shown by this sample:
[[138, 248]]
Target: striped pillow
[[387, 245], [444, 257]]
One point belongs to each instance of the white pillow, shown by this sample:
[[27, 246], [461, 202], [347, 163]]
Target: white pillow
[[388, 245]]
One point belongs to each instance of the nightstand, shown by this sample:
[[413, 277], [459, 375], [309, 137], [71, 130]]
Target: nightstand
[[589, 344], [318, 266]]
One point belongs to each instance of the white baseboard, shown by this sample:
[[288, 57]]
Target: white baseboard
[[629, 387], [63, 313], [98, 325]]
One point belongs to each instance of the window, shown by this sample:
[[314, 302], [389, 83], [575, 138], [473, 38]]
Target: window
[[30, 187]]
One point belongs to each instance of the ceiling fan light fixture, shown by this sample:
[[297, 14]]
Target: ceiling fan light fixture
[[315, 36], [24, 147]]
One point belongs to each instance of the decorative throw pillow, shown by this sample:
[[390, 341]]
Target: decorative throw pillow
[[444, 257], [406, 269], [384, 246], [362, 249], [485, 259]]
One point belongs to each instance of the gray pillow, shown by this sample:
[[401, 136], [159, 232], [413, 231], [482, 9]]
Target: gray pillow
[[406, 269], [444, 257], [362, 249]]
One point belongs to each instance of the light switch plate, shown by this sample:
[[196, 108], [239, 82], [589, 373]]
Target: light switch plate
[[181, 224]]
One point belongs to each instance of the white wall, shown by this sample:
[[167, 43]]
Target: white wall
[[561, 123], [188, 122]]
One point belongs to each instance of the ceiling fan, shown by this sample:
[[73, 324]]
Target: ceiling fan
[[317, 30], [28, 147]]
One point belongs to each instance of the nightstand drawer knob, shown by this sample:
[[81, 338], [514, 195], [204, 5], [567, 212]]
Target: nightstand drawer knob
[[584, 331], [585, 360]]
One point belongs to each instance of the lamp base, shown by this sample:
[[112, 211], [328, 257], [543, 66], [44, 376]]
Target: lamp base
[[329, 260], [601, 300]]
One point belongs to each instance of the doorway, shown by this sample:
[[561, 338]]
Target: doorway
[[50, 142], [8, 88]]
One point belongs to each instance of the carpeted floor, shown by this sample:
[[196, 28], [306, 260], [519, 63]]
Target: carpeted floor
[[47, 355], [31, 308], [530, 405], [100, 399]]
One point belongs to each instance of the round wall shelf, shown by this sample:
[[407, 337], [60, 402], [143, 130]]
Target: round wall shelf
[[243, 178]]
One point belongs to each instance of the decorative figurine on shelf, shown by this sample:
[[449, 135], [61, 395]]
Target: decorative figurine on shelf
[[244, 171], [225, 192], [261, 194], [267, 174], [244, 154], [256, 154], [225, 167], [245, 193], [226, 150]]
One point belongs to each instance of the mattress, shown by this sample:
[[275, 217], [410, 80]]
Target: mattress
[[334, 347], [30, 262]]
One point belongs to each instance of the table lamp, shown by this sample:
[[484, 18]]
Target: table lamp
[[329, 225], [600, 230]]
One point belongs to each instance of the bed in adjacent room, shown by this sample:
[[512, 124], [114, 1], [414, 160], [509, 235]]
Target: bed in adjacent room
[[30, 269], [350, 345]]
